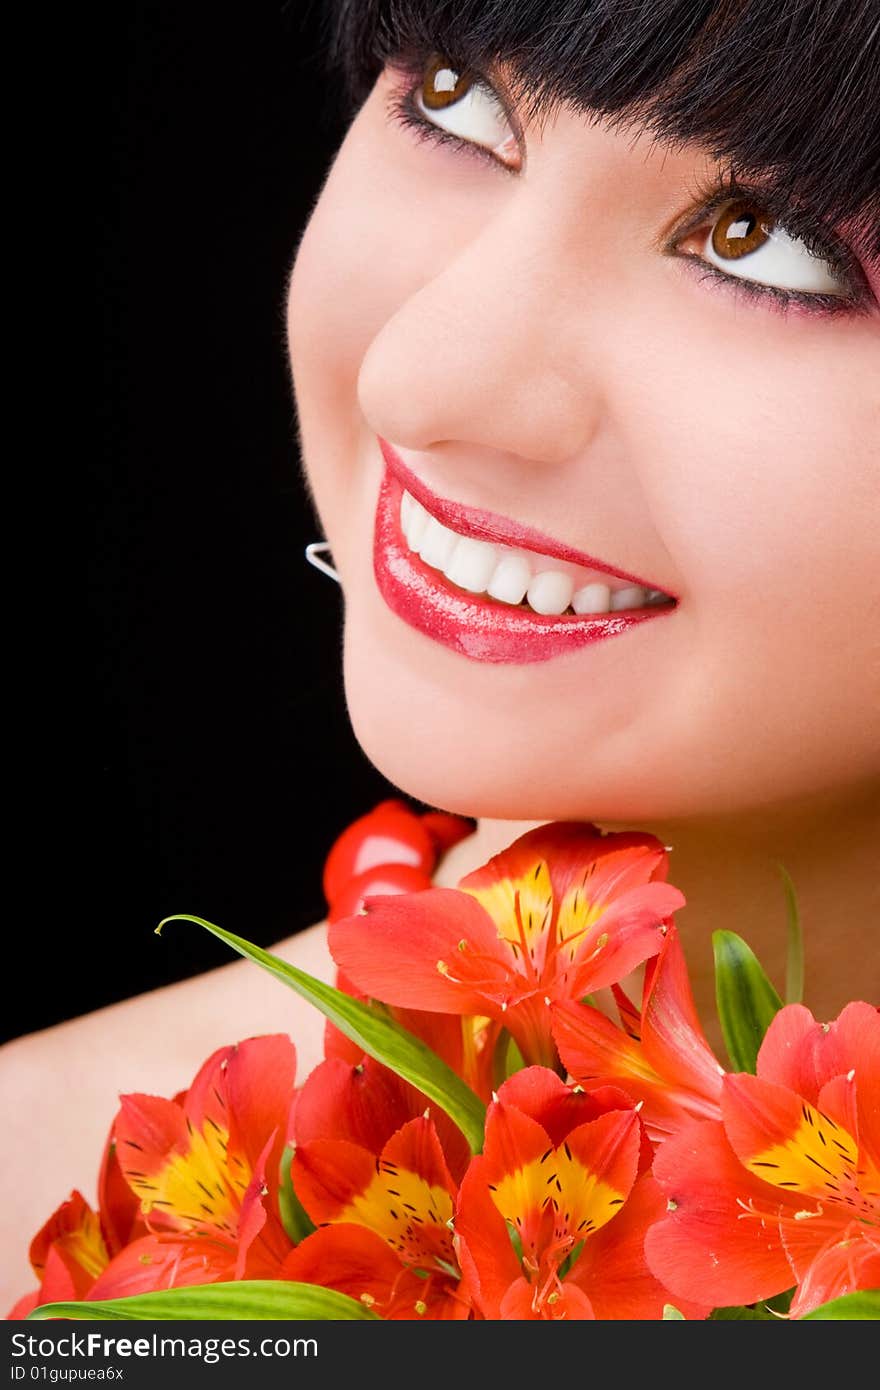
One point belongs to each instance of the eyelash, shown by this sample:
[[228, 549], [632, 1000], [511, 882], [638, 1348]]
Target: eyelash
[[709, 199], [401, 109]]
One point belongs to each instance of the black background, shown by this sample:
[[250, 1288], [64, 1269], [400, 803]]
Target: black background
[[192, 751]]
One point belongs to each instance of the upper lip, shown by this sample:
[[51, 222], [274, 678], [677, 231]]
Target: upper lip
[[488, 526]]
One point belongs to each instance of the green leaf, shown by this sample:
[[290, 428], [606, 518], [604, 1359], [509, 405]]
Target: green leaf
[[506, 1059], [747, 1002], [794, 960], [378, 1035], [571, 1260], [294, 1217], [864, 1305], [743, 1314], [255, 1299], [671, 1313]]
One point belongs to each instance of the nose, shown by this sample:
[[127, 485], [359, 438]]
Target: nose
[[485, 352]]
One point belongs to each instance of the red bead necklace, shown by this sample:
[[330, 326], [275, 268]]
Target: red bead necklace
[[391, 849]]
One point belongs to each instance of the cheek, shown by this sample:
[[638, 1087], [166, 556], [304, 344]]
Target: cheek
[[765, 485], [759, 442], [344, 287], [333, 306], [373, 240]]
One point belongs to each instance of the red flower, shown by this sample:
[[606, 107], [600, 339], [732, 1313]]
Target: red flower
[[75, 1245], [366, 1104], [552, 1217], [67, 1254], [784, 1190], [206, 1171], [381, 1181], [660, 1057], [563, 911]]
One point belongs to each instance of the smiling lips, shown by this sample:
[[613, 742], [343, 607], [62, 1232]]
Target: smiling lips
[[489, 588]]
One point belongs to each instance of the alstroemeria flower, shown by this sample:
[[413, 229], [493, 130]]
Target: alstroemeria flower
[[118, 1207], [366, 1104], [784, 1190], [378, 1183], [73, 1248], [551, 1218], [206, 1171], [67, 1254], [563, 911], [660, 1057]]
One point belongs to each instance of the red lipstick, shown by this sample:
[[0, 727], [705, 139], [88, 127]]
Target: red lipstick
[[486, 526], [477, 626]]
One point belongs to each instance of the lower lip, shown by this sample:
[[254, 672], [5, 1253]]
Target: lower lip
[[477, 627]]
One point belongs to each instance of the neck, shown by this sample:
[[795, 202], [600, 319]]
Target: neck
[[729, 872]]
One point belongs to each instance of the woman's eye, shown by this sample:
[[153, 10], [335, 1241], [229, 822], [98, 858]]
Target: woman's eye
[[465, 107], [745, 241]]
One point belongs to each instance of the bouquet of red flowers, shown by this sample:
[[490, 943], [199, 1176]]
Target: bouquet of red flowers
[[497, 1130]]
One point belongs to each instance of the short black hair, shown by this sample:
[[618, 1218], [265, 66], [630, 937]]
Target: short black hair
[[788, 90]]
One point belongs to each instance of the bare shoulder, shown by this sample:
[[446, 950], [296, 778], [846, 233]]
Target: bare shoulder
[[60, 1088]]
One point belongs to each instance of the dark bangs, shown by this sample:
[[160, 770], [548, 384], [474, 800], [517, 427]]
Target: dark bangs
[[787, 90]]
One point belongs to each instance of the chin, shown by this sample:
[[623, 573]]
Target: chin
[[486, 743], [442, 750]]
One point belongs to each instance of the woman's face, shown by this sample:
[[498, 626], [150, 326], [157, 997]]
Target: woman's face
[[564, 340]]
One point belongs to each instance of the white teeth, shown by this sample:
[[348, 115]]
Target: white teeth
[[510, 579], [471, 564], [506, 574], [592, 598], [550, 592], [632, 597], [413, 520], [437, 544]]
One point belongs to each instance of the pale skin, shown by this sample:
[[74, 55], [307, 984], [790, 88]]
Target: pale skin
[[621, 403]]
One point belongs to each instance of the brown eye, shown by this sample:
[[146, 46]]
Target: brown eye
[[741, 229], [442, 85], [467, 107]]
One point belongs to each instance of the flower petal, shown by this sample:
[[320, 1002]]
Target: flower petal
[[850, 1261], [118, 1206], [803, 1055], [569, 1304], [178, 1171], [612, 1269], [519, 901], [671, 1032], [629, 931], [363, 1104], [580, 859], [24, 1305], [545, 1192], [713, 1245], [73, 1233], [787, 1142], [260, 1074], [329, 1175], [485, 1253], [358, 1262], [405, 1196], [349, 1258], [557, 1107], [163, 1262], [406, 950], [366, 1104]]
